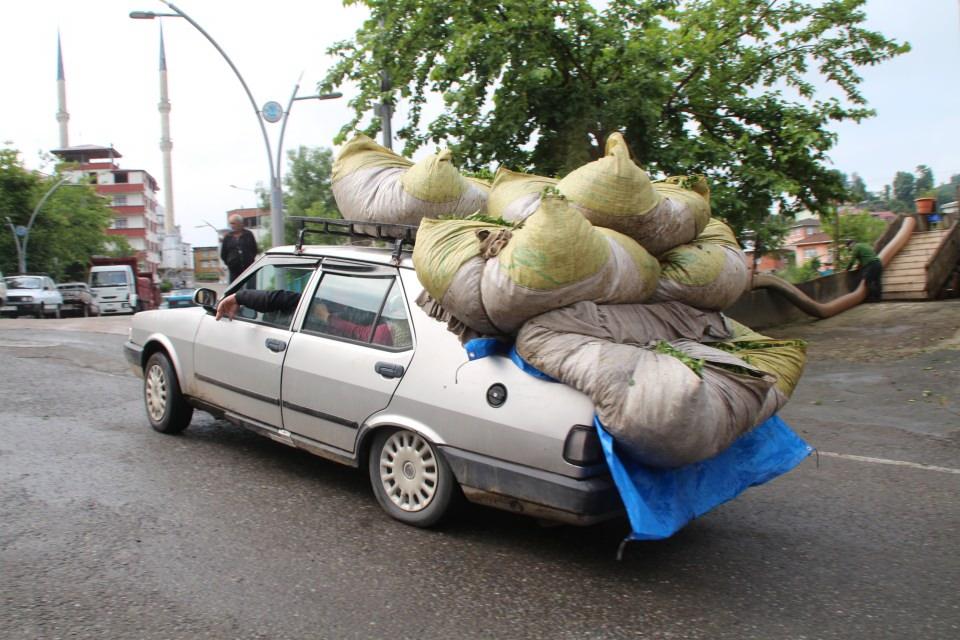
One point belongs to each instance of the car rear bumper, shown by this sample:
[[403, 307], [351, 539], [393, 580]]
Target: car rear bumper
[[537, 493]]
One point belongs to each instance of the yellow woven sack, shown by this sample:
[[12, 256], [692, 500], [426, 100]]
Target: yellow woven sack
[[784, 359], [555, 247], [701, 262], [363, 153], [647, 266], [512, 192], [435, 179], [613, 186], [442, 247]]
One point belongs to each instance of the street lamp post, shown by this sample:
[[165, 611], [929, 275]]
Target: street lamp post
[[22, 245], [276, 192]]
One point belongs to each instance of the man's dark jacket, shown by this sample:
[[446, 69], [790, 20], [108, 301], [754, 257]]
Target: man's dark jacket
[[238, 253]]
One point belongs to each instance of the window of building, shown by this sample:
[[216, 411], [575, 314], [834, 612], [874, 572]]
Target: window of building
[[119, 223], [810, 253], [120, 200], [811, 231], [120, 177]]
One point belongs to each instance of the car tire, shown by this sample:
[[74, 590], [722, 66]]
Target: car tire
[[86, 311], [56, 312], [39, 313], [167, 410], [410, 479]]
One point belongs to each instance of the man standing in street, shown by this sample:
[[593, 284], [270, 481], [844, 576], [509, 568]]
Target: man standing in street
[[871, 267], [238, 248]]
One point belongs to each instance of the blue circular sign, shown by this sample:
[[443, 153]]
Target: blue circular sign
[[272, 111], [21, 230]]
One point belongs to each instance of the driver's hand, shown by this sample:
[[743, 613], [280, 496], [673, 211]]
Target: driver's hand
[[228, 307]]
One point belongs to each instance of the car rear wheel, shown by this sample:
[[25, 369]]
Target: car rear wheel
[[411, 481], [86, 311], [167, 410]]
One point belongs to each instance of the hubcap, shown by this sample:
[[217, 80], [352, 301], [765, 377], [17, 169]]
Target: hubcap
[[408, 471], [156, 393]]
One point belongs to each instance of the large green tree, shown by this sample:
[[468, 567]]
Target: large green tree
[[924, 181], [308, 190], [904, 191], [857, 189], [69, 227], [719, 87], [308, 183]]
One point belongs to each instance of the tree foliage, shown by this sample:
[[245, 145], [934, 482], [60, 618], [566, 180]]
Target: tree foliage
[[308, 190], [718, 87], [68, 229], [924, 181], [857, 189], [904, 191], [308, 182], [861, 227]]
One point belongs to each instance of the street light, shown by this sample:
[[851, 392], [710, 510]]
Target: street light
[[24, 232], [276, 193]]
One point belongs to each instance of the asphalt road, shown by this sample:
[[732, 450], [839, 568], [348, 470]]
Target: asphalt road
[[109, 530]]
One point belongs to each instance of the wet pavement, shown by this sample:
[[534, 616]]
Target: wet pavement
[[109, 530]]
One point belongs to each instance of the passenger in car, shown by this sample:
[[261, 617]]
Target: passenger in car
[[320, 317]]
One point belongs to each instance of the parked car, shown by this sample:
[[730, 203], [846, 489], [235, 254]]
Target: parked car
[[32, 294], [77, 298], [429, 425], [3, 290], [178, 299]]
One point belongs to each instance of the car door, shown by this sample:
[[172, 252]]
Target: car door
[[238, 362], [349, 355]]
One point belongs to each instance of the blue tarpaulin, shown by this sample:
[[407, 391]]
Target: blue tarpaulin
[[659, 502]]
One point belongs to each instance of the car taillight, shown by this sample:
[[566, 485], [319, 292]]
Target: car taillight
[[582, 446]]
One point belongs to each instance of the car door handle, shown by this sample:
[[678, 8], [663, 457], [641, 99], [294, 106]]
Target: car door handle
[[388, 369], [276, 345]]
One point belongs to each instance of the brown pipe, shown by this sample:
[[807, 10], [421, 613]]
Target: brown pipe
[[847, 301]]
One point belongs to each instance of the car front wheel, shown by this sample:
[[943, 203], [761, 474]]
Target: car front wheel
[[167, 410], [411, 481]]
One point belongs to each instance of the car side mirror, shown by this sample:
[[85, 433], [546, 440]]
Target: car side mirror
[[206, 298]]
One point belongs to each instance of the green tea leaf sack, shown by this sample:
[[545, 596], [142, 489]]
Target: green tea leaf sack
[[709, 273], [449, 258], [556, 259], [666, 397], [613, 192], [372, 183], [514, 196]]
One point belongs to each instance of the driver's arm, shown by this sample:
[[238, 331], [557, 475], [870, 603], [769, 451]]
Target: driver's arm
[[258, 300]]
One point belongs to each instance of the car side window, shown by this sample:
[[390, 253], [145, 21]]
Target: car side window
[[360, 308], [272, 277]]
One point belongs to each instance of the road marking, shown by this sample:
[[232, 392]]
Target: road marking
[[898, 463]]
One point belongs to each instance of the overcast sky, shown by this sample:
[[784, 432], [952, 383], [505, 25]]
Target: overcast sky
[[111, 63]]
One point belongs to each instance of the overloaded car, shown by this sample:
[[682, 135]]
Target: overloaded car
[[32, 294], [78, 299], [399, 398]]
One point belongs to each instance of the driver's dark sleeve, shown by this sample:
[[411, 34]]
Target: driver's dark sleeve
[[266, 301]]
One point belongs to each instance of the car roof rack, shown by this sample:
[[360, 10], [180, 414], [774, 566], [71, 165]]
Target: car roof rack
[[400, 234]]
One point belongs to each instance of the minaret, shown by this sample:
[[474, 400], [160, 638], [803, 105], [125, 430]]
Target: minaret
[[62, 116], [165, 143]]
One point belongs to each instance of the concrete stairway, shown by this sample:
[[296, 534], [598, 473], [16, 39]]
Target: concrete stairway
[[905, 278]]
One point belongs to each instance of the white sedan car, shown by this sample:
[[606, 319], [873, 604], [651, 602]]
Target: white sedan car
[[399, 396]]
